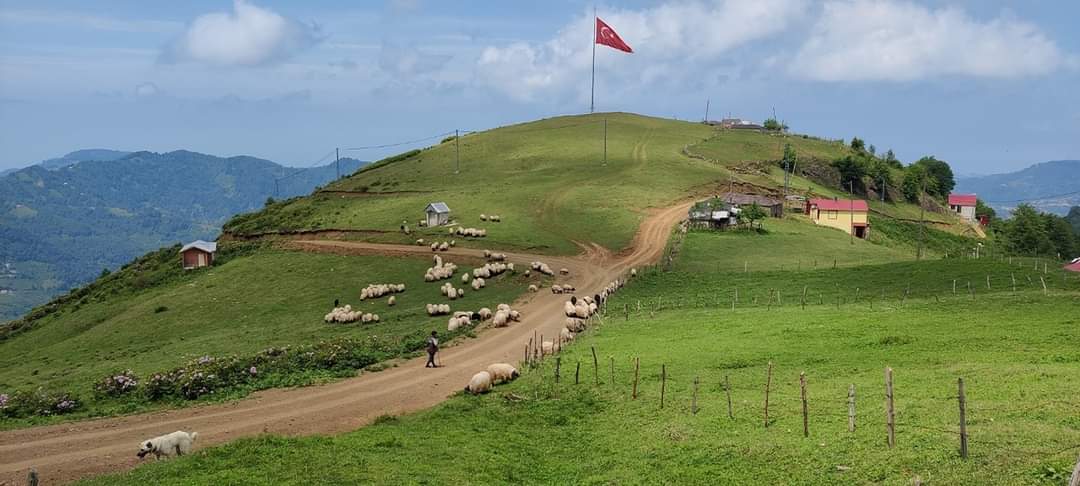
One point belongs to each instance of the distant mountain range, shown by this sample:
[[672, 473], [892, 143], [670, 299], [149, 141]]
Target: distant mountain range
[[65, 219], [1053, 187]]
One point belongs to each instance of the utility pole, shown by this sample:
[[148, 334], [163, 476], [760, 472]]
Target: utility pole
[[337, 161], [706, 120], [275, 187], [922, 221], [457, 152], [605, 142]]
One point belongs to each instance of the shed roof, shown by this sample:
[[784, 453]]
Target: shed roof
[[1074, 266], [207, 246], [840, 204], [962, 199], [736, 198], [437, 207]]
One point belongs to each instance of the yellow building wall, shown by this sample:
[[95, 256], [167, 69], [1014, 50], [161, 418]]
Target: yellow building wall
[[840, 220]]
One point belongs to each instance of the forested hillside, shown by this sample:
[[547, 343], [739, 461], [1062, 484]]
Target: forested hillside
[[65, 220]]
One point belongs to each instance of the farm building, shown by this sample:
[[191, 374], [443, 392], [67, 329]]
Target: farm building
[[851, 216], [964, 205], [713, 213], [774, 207], [438, 214], [738, 123], [198, 253]]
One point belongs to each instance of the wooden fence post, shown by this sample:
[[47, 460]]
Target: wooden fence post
[[805, 409], [954, 286], [727, 388], [804, 297], [637, 365], [663, 383], [693, 404], [1043, 280], [527, 361], [963, 419], [577, 372], [558, 366], [890, 412], [595, 365], [988, 281], [612, 369], [1013, 275], [768, 383], [851, 408]]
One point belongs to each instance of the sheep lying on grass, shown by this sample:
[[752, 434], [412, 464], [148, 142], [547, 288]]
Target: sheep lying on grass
[[480, 383], [478, 283], [440, 271], [502, 373], [346, 314], [375, 291], [469, 232], [542, 268], [438, 309]]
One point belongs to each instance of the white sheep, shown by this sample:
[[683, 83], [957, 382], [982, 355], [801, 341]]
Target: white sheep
[[633, 272], [556, 289], [483, 217], [501, 319], [564, 271], [480, 383], [502, 372], [419, 242], [568, 309], [515, 316], [465, 278], [566, 335], [391, 301], [485, 313], [533, 288], [457, 322], [574, 324], [547, 347], [503, 307]]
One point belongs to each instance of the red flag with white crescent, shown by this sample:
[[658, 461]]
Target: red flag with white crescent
[[605, 35]]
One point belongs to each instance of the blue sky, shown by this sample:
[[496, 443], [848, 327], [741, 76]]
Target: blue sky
[[987, 85]]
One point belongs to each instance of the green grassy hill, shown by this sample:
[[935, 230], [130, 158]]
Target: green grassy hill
[[546, 179], [932, 322]]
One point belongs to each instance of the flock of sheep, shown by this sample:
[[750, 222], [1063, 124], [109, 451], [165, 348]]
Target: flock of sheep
[[375, 291], [346, 314], [468, 232], [493, 218], [440, 270], [494, 374]]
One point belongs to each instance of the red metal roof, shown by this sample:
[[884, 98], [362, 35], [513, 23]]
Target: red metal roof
[[961, 199], [840, 204], [1075, 267]]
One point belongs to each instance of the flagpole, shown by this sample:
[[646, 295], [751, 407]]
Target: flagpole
[[592, 91]]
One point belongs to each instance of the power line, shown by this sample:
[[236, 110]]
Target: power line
[[398, 144]]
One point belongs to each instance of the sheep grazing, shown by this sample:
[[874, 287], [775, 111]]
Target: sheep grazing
[[494, 217], [478, 283], [421, 223], [515, 316], [528, 273], [470, 232], [457, 322], [496, 257], [490, 270], [503, 307], [564, 271], [502, 372], [419, 242], [556, 289], [440, 271], [343, 315], [533, 288], [566, 334], [501, 319], [444, 246], [574, 324], [567, 288], [465, 278], [547, 347], [484, 313], [483, 217], [633, 272], [480, 383], [453, 243], [376, 291], [391, 301], [568, 309], [542, 268], [437, 309]]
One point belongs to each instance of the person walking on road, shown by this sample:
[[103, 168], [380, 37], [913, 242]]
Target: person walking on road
[[432, 348]]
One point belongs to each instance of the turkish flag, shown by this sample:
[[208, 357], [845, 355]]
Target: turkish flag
[[606, 35]]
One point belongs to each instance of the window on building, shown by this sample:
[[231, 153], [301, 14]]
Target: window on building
[[832, 214]]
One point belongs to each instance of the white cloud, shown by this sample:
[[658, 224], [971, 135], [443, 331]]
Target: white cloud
[[871, 40], [673, 43], [248, 36]]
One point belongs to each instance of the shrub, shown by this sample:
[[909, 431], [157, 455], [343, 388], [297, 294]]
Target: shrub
[[117, 384], [38, 402]]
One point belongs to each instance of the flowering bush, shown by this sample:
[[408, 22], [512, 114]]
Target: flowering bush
[[38, 402], [117, 384]]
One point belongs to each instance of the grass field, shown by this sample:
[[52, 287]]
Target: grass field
[[269, 298], [545, 178], [1013, 350]]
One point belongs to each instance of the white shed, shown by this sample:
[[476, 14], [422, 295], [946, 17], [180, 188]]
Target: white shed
[[438, 214]]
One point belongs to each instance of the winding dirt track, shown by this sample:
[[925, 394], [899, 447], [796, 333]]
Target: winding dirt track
[[67, 452]]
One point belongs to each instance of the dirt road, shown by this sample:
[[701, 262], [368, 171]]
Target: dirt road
[[66, 452]]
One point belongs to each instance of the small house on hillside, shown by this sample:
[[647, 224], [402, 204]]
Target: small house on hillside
[[198, 254], [850, 215], [738, 123], [964, 205], [774, 207], [438, 214], [713, 213]]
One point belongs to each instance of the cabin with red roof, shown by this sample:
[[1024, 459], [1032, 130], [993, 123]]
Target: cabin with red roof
[[849, 215], [964, 205]]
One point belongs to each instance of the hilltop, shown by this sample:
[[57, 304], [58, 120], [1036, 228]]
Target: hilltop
[[65, 220], [1059, 179]]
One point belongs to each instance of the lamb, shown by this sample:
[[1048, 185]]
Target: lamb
[[502, 372], [480, 383], [485, 313]]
